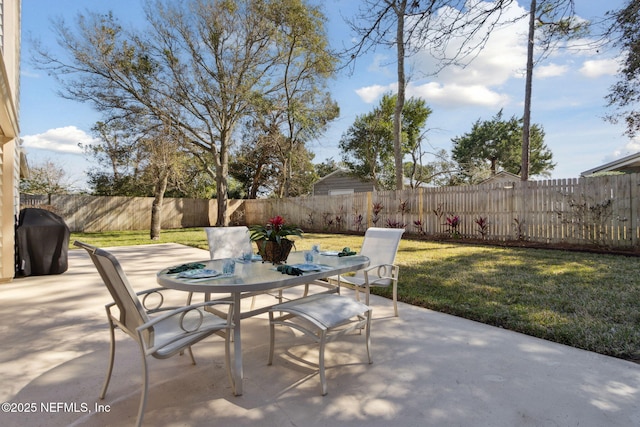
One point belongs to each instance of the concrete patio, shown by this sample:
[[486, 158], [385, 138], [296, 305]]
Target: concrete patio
[[430, 369]]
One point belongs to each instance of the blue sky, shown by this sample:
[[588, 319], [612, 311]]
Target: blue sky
[[568, 91]]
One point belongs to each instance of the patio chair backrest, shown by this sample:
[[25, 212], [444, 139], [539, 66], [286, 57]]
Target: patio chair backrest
[[380, 245], [132, 314], [228, 242]]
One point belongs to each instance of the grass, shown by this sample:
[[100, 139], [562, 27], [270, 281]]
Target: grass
[[584, 300]]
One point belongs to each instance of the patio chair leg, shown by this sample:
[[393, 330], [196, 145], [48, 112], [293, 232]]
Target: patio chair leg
[[145, 388], [367, 293], [193, 359], [395, 298], [323, 379], [112, 352], [368, 336], [227, 359], [272, 331]]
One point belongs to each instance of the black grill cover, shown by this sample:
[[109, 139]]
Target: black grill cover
[[42, 243]]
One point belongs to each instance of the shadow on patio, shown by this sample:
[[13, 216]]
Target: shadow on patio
[[429, 368]]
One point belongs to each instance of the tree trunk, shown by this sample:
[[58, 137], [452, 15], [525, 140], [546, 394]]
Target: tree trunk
[[222, 173], [286, 174], [526, 118], [156, 207], [397, 115]]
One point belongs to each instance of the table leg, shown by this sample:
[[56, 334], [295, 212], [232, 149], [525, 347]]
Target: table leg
[[237, 344]]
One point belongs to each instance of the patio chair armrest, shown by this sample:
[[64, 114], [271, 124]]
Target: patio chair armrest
[[182, 311], [191, 321], [381, 273], [152, 300]]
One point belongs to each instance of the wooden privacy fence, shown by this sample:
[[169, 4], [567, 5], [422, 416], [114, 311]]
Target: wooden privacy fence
[[601, 211], [96, 214]]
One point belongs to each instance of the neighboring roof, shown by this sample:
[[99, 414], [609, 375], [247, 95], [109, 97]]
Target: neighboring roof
[[329, 175], [342, 181], [628, 164], [345, 172], [502, 176]]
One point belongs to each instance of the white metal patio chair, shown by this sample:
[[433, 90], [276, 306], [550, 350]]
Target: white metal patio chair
[[380, 245], [160, 331], [226, 242], [232, 242], [323, 318]]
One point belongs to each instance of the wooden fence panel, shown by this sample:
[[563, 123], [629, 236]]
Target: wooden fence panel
[[602, 211]]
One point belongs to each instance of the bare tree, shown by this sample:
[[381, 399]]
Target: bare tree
[[304, 103], [552, 20], [624, 95], [413, 26], [163, 145], [201, 66], [46, 178]]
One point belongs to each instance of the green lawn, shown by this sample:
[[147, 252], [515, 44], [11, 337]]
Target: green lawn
[[584, 300]]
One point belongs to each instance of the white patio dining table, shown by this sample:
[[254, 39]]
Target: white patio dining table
[[255, 277]]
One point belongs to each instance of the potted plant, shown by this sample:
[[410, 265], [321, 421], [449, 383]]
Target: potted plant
[[273, 240]]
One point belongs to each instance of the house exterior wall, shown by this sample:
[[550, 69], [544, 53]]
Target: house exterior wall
[[341, 183], [9, 133]]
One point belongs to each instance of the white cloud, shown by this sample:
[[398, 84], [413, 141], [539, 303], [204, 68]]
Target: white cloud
[[454, 95], [445, 95], [632, 146], [550, 70], [599, 67], [502, 57], [370, 93], [29, 73], [61, 140]]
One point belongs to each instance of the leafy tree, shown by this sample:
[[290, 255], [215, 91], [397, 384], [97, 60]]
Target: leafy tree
[[624, 96], [144, 157], [411, 26], [260, 162], [438, 172], [326, 167], [494, 145], [304, 175], [164, 147], [368, 147], [256, 164], [303, 101], [126, 157], [118, 154]]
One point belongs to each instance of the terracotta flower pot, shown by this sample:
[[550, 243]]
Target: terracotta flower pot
[[274, 252]]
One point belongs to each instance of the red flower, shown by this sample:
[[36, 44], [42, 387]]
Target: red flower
[[453, 221], [276, 222], [276, 229]]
